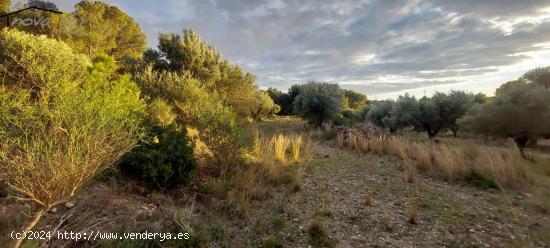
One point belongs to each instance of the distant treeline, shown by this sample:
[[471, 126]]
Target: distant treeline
[[519, 110]]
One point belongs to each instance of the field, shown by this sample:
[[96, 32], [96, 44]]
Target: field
[[327, 196]]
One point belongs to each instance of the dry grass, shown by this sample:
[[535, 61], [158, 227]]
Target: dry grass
[[410, 171], [368, 197], [295, 147], [453, 160], [318, 235], [273, 162], [281, 144], [412, 214], [184, 216], [450, 162], [340, 139], [284, 149], [423, 156]]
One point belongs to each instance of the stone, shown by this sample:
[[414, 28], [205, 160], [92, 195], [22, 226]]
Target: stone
[[69, 204]]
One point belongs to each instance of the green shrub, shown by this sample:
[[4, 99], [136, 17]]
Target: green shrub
[[480, 181], [62, 118], [164, 160], [219, 128]]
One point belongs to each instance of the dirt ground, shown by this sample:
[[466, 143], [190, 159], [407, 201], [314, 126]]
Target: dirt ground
[[353, 200]]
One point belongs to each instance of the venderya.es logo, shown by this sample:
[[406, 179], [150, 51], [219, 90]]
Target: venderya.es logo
[[32, 16]]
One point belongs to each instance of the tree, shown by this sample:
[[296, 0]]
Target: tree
[[96, 27], [319, 102], [355, 100], [42, 4], [285, 99], [479, 98], [295, 90], [379, 114], [263, 106], [63, 119], [540, 76], [5, 6], [452, 107], [520, 110], [404, 113], [429, 116], [235, 88], [282, 99]]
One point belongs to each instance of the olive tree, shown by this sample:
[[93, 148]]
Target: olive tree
[[451, 107], [520, 110], [428, 116], [380, 113], [319, 102], [63, 119], [263, 106], [404, 112]]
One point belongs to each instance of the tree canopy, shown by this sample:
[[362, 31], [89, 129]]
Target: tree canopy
[[354, 100], [432, 115], [519, 110], [191, 54], [4, 6], [319, 102]]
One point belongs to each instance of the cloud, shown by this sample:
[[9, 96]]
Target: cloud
[[368, 44]]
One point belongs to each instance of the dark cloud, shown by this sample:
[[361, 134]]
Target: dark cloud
[[418, 42]]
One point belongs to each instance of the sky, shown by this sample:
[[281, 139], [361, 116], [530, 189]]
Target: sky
[[382, 48]]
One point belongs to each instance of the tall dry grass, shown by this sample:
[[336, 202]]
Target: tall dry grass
[[284, 149], [295, 147], [271, 164], [280, 143], [452, 160]]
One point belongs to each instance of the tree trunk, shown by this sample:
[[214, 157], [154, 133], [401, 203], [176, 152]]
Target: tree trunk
[[431, 133], [521, 142], [455, 131], [35, 218]]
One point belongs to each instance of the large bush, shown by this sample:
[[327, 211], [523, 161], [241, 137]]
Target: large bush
[[219, 128], [319, 102], [165, 156], [165, 159], [62, 118]]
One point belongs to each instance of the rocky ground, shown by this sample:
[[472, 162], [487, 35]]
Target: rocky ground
[[364, 201]]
